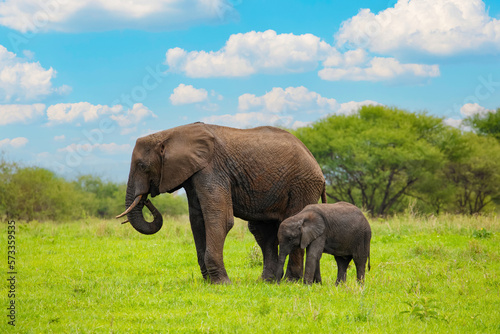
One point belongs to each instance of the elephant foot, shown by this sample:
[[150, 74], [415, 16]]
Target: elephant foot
[[292, 278], [269, 275], [337, 282], [219, 277], [223, 280], [269, 279]]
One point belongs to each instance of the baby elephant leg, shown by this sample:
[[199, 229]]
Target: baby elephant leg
[[313, 256], [317, 274], [342, 264]]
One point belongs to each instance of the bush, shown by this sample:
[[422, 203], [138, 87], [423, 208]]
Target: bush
[[34, 193]]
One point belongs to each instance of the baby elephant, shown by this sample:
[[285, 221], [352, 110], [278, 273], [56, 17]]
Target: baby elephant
[[339, 229]]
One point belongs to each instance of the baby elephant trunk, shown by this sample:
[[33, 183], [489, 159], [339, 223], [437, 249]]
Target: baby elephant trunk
[[281, 265]]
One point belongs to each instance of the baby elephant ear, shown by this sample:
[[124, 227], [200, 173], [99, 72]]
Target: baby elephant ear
[[311, 229]]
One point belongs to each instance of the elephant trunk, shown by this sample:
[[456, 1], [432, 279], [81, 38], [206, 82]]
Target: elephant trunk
[[135, 216]]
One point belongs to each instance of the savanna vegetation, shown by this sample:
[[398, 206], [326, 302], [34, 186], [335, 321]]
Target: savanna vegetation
[[435, 274], [34, 193], [381, 159], [432, 193]]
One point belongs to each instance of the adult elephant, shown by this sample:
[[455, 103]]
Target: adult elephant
[[263, 175]]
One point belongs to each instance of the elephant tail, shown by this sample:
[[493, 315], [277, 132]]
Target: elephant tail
[[323, 195]]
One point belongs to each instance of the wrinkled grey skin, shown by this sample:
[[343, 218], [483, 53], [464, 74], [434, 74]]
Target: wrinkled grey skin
[[262, 175], [338, 229]]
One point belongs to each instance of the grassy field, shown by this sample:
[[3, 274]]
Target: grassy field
[[437, 274]]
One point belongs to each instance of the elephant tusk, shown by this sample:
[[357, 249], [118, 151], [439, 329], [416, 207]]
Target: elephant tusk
[[125, 222], [137, 199]]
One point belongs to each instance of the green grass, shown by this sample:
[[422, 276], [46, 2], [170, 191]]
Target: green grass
[[437, 274]]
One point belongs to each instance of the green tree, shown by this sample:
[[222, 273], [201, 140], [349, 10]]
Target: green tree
[[171, 205], [486, 125], [102, 198], [37, 193], [375, 158], [7, 169], [474, 174]]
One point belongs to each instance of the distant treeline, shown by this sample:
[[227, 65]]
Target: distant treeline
[[386, 160], [381, 159], [34, 193]]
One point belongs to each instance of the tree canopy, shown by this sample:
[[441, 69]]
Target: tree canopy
[[485, 125], [381, 158]]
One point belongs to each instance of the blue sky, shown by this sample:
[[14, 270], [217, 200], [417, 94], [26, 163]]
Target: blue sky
[[81, 81]]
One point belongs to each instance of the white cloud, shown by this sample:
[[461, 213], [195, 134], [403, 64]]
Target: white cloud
[[297, 99], [349, 58], [132, 116], [70, 112], [269, 52], [467, 110], [250, 119], [21, 80], [252, 52], [16, 113], [186, 94], [352, 107], [288, 99], [15, 142], [380, 69], [101, 15], [471, 109], [60, 138], [453, 122], [86, 149], [279, 107], [439, 27]]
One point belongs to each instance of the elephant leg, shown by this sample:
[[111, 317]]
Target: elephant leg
[[266, 235], [216, 205], [360, 268], [313, 257], [217, 225], [198, 228], [214, 260], [295, 267], [342, 264]]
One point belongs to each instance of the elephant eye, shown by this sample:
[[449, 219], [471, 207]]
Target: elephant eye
[[142, 166]]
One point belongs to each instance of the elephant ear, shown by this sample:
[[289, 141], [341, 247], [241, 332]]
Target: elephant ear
[[311, 229], [186, 150]]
